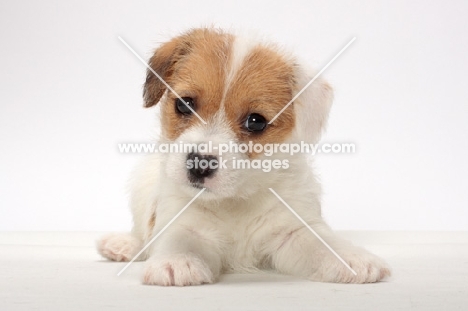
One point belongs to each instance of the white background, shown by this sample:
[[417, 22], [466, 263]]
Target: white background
[[70, 92]]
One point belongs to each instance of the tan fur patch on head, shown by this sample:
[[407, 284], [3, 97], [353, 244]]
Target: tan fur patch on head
[[263, 85], [197, 69], [197, 65]]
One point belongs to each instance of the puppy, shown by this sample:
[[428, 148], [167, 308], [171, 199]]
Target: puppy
[[230, 88]]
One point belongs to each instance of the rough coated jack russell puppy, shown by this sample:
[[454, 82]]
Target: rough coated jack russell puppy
[[229, 88]]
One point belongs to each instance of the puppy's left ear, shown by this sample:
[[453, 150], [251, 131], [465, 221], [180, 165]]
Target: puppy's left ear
[[312, 107], [163, 62]]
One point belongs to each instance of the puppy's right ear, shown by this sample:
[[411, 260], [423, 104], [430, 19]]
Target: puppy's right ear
[[163, 62]]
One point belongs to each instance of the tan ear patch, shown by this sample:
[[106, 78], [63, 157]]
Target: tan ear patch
[[199, 75], [162, 62]]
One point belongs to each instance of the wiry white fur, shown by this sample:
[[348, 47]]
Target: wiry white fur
[[237, 224]]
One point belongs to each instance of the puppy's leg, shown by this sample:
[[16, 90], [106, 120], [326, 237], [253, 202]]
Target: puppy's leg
[[299, 252], [143, 202], [188, 253], [119, 246]]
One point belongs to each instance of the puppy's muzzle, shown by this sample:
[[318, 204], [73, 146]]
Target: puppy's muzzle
[[200, 167]]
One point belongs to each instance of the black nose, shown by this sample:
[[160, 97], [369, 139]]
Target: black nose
[[201, 166]]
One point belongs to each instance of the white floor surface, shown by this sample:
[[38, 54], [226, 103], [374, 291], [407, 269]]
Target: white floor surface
[[62, 271]]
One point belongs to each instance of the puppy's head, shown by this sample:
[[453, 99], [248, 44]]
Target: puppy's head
[[219, 88]]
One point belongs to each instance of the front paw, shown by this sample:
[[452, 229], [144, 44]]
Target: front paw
[[178, 270], [369, 268], [118, 246]]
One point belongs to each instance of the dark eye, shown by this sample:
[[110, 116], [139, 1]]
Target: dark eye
[[182, 107], [255, 123]]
